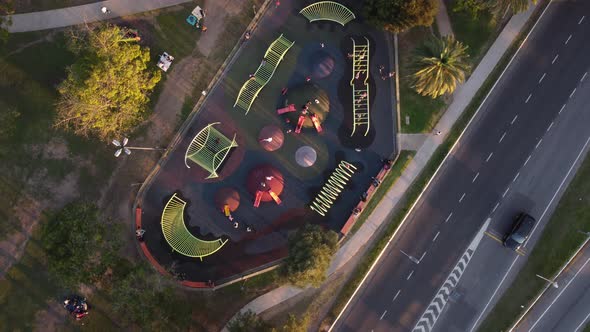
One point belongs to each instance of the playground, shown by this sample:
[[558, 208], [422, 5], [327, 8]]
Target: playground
[[296, 131]]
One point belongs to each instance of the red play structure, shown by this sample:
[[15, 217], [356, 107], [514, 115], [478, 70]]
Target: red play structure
[[289, 108]]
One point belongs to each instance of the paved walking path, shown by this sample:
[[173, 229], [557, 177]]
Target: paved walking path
[[58, 18], [443, 23], [461, 99], [411, 142]]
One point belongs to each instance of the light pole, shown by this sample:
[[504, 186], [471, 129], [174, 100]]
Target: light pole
[[122, 147], [553, 283]]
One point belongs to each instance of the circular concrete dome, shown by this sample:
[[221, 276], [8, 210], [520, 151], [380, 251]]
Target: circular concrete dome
[[271, 138], [322, 64], [306, 156]]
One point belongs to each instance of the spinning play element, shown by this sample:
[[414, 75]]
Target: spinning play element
[[209, 149], [328, 10], [360, 86], [265, 183], [333, 187], [322, 64], [273, 56], [179, 237], [271, 138], [306, 156]]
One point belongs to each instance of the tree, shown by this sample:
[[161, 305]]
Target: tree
[[248, 321], [77, 244], [439, 64], [400, 15], [296, 325], [501, 7], [6, 9], [106, 92], [473, 7], [310, 252]]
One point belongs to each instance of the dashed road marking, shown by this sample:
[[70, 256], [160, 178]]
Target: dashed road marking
[[573, 91], [550, 125], [555, 59], [462, 196], [562, 107], [516, 177], [568, 39], [514, 119], [437, 234], [421, 257], [538, 143], [475, 177], [505, 192], [490, 156], [501, 138], [449, 217], [580, 21], [396, 295], [583, 77], [383, 315], [527, 160], [528, 98], [410, 275], [495, 207], [542, 77]]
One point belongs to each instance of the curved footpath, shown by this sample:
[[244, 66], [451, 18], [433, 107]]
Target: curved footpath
[[461, 99], [59, 18]]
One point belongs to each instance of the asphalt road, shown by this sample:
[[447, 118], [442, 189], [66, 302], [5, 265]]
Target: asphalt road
[[515, 156], [566, 308]]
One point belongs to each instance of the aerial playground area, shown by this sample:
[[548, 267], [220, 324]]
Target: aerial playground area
[[298, 129]]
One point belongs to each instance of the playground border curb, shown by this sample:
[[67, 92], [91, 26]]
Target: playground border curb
[[230, 59]]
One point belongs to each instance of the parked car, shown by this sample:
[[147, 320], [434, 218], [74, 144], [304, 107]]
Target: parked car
[[523, 226]]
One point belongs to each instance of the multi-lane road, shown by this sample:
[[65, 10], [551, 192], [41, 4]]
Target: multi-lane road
[[518, 154]]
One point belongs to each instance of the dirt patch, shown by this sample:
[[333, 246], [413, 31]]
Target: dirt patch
[[218, 12], [52, 318]]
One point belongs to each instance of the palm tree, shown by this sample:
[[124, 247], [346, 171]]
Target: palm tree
[[500, 7], [439, 64]]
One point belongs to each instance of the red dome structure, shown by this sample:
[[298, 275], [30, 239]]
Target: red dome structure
[[227, 196], [271, 138], [265, 183]]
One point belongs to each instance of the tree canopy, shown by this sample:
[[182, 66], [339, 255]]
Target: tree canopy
[[77, 243], [6, 9], [498, 8], [106, 92], [400, 15], [439, 65], [310, 251], [248, 321]]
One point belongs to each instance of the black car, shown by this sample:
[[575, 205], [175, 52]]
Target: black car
[[520, 231]]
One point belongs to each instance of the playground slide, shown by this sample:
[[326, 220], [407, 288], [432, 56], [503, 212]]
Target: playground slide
[[258, 198], [289, 108], [226, 210], [299, 124], [275, 197], [316, 123]]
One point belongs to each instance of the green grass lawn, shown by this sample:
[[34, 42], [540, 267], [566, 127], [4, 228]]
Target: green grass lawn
[[475, 33], [560, 239]]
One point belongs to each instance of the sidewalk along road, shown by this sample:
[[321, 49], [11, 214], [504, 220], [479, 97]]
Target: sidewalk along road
[[490, 158]]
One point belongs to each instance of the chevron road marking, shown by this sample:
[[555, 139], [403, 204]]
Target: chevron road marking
[[434, 309]]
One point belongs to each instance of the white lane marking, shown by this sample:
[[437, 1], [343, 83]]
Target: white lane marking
[[562, 107], [533, 231], [516, 177], [527, 160], [568, 39], [495, 207], [462, 196], [424, 254], [501, 138], [542, 77], [550, 125], [538, 143], [505, 192], [582, 323], [583, 77], [573, 91], [527, 98], [396, 295], [437, 234], [558, 295], [490, 156], [555, 59], [449, 217], [410, 275], [515, 117], [475, 177], [384, 312], [580, 21]]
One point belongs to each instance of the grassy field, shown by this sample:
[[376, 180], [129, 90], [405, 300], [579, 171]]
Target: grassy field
[[560, 239], [474, 32]]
